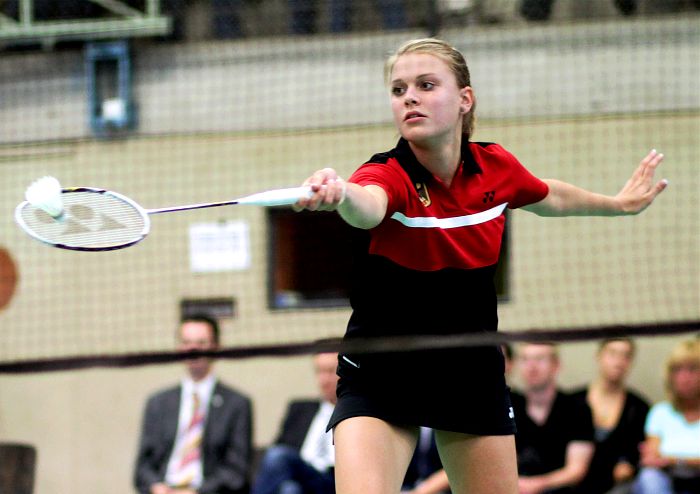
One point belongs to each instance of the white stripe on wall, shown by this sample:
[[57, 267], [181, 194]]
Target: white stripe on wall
[[455, 222]]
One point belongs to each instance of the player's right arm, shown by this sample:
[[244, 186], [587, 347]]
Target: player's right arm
[[360, 206]]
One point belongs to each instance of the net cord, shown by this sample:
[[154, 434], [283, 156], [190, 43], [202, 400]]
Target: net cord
[[364, 345]]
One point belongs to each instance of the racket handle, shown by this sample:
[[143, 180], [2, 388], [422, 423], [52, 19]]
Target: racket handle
[[277, 197]]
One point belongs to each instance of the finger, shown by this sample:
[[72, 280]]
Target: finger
[[660, 187], [650, 172], [652, 160], [321, 177], [640, 171], [649, 156], [655, 160], [323, 198], [650, 196], [335, 191]]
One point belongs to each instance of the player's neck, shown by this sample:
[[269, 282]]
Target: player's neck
[[441, 157]]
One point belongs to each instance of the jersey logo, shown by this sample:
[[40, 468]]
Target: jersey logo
[[423, 194], [489, 196]]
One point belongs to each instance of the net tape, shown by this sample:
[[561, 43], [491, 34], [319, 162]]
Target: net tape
[[359, 345]]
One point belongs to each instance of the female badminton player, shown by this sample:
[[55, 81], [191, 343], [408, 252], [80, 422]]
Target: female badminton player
[[434, 207]]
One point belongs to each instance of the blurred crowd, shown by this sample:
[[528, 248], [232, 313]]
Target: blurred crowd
[[231, 19]]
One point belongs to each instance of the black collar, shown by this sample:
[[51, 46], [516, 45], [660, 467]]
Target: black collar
[[418, 173]]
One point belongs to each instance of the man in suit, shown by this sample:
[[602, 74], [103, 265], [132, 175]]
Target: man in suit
[[196, 437], [301, 460]]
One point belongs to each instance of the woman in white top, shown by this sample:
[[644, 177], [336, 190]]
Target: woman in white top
[[670, 456]]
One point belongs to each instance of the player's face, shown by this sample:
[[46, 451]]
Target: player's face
[[538, 366], [425, 100], [325, 366], [615, 360], [197, 335]]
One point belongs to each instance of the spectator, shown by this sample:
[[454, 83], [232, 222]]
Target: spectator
[[303, 15], [540, 10], [302, 459], [226, 20], [618, 419], [195, 437], [670, 456], [507, 351], [554, 438], [425, 474]]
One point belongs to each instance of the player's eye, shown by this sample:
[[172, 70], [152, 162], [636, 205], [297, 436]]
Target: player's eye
[[398, 90], [427, 85]]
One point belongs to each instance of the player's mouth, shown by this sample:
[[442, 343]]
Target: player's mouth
[[413, 116]]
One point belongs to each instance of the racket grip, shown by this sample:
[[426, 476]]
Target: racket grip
[[277, 197]]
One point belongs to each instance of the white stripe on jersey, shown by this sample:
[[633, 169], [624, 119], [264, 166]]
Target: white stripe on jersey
[[454, 222]]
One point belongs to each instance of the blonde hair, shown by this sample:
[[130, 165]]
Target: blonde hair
[[454, 60], [686, 352]]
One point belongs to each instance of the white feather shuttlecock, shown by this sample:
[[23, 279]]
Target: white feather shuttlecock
[[45, 194]]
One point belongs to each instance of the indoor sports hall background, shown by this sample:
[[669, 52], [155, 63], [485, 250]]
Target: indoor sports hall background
[[178, 102]]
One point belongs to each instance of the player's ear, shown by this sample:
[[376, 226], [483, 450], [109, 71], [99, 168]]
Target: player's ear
[[466, 96]]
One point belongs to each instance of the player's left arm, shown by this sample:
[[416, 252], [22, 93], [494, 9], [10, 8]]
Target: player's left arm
[[564, 199]]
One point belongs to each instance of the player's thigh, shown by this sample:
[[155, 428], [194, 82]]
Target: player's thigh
[[371, 456], [479, 464]]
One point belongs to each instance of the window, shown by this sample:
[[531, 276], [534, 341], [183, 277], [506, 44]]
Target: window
[[310, 259]]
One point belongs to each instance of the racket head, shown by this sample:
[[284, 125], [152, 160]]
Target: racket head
[[93, 220]]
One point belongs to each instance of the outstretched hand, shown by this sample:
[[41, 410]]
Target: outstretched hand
[[640, 190], [328, 191]]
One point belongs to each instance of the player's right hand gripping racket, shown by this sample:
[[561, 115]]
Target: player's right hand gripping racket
[[91, 219]]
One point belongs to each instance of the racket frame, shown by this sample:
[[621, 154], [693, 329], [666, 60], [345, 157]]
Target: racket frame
[[140, 210]]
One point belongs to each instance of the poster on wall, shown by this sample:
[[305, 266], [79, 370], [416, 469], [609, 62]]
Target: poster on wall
[[219, 246]]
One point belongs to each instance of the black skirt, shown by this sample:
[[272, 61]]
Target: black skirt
[[458, 390]]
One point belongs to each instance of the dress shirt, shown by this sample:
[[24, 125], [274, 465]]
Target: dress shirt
[[204, 389], [317, 449]]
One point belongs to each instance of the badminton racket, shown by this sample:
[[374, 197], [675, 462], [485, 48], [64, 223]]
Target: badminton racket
[[92, 219]]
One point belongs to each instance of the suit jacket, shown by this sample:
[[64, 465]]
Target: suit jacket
[[226, 445], [297, 421]]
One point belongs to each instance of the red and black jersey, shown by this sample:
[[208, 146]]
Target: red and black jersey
[[430, 263]]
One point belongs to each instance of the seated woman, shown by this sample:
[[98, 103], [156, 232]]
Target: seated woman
[[670, 456], [618, 419]]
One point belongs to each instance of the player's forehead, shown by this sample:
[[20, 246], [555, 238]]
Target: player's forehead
[[412, 65]]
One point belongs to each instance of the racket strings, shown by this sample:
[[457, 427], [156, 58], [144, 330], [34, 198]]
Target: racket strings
[[92, 220]]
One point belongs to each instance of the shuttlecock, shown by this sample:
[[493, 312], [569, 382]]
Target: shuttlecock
[[45, 194]]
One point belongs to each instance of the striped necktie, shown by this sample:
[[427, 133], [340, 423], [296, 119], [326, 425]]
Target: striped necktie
[[191, 452]]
